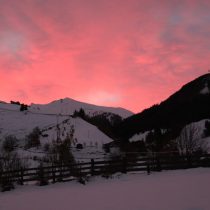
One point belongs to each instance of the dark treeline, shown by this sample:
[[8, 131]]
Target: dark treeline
[[185, 106], [106, 122]]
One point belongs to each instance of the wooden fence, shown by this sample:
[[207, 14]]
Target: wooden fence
[[65, 172]]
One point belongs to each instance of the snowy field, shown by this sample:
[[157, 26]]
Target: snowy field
[[167, 190]]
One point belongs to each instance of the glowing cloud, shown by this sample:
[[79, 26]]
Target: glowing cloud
[[130, 53]]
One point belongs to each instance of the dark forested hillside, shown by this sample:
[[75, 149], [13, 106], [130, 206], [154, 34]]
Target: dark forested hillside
[[191, 103]]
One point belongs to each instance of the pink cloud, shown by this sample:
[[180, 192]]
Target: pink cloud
[[123, 53]]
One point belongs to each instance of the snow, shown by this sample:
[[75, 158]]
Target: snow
[[205, 90], [167, 190], [68, 106], [139, 136], [85, 133], [14, 122], [142, 135]]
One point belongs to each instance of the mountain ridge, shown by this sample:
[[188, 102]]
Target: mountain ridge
[[188, 104], [68, 106]]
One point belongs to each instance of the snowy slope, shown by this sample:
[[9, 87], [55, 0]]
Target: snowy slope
[[139, 137], [14, 122], [85, 133], [67, 106]]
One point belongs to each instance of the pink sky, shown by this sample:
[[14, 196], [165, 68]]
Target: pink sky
[[128, 53]]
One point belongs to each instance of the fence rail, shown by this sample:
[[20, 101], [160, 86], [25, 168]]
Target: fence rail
[[128, 163]]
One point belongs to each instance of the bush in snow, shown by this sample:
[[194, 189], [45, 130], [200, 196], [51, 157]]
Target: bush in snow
[[9, 143], [9, 162], [33, 139], [47, 147], [60, 152]]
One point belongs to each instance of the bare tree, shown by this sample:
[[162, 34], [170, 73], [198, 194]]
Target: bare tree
[[189, 141], [33, 139], [10, 143]]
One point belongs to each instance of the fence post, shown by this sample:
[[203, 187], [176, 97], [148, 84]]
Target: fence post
[[41, 175], [158, 164], [150, 162], [61, 172], [53, 173], [148, 167], [124, 162], [21, 176], [92, 167], [189, 161]]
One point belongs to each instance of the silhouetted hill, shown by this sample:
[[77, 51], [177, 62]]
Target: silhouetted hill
[[191, 103]]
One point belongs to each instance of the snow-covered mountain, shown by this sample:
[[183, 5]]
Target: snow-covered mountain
[[48, 117], [15, 122], [67, 106]]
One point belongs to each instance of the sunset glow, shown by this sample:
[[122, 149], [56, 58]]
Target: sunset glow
[[127, 53]]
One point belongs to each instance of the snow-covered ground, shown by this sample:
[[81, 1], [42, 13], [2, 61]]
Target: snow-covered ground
[[167, 190]]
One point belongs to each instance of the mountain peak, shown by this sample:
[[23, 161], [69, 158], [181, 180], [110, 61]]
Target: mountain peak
[[67, 106]]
